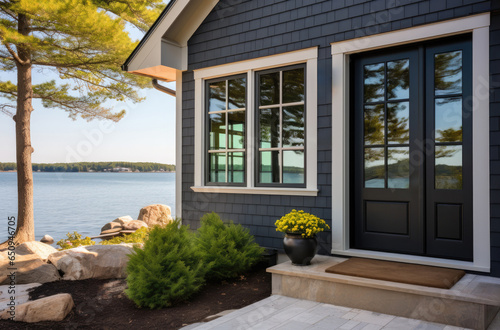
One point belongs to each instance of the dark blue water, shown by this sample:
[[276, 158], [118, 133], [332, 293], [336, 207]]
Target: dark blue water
[[84, 202]]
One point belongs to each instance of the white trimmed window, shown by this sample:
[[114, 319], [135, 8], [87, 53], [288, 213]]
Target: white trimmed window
[[255, 122]]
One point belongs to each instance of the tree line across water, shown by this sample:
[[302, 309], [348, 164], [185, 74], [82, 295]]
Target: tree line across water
[[94, 167]]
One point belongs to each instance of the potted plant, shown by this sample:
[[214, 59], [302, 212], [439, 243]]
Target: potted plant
[[300, 230]]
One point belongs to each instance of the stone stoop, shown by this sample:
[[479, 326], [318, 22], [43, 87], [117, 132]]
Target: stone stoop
[[472, 303]]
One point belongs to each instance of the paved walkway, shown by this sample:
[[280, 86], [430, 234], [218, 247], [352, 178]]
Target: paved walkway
[[279, 312]]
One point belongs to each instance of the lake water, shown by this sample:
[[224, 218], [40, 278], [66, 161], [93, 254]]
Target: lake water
[[84, 202]]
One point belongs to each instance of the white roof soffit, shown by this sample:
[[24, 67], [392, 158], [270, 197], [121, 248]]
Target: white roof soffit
[[163, 49]]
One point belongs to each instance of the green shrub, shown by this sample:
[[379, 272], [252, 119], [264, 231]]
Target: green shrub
[[168, 269], [228, 249], [139, 236], [74, 240]]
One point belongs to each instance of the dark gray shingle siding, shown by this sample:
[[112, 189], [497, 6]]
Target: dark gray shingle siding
[[244, 29]]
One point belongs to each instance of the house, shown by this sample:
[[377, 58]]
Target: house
[[381, 117]]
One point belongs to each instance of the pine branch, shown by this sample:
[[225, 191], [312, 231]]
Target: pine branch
[[4, 108]]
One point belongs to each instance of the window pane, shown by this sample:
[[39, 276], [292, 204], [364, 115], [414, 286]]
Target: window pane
[[374, 76], [217, 167], [237, 93], [293, 166], [448, 119], [398, 79], [236, 129], [448, 167], [374, 168], [269, 167], [217, 128], [236, 167], [293, 85], [293, 126], [270, 88], [398, 175], [217, 96], [448, 73], [374, 124], [398, 124], [269, 128]]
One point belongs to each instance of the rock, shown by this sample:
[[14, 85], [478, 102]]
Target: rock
[[29, 269], [47, 239], [156, 214], [21, 292], [134, 225], [111, 227], [53, 308], [40, 249], [95, 261], [123, 220]]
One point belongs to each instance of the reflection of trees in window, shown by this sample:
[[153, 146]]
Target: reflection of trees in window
[[237, 93], [398, 128], [448, 72], [398, 80]]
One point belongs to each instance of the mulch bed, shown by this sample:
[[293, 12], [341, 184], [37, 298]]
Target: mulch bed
[[101, 304]]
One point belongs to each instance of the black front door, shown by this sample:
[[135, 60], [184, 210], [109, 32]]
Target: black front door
[[412, 146]]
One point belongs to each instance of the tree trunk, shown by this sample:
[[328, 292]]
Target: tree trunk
[[25, 217]]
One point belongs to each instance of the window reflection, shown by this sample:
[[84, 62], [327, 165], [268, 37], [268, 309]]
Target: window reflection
[[374, 76], [217, 96], [293, 126], [374, 168], [217, 131], [398, 122], [293, 86], [448, 73], [269, 128], [269, 88], [269, 167], [398, 79], [237, 93], [448, 112], [448, 167], [236, 129], [236, 167], [398, 168], [293, 166], [217, 167], [374, 124]]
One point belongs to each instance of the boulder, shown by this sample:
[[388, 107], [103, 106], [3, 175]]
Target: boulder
[[29, 269], [123, 220], [156, 214], [111, 227], [134, 225], [53, 308], [21, 292], [40, 249], [95, 261], [47, 239]]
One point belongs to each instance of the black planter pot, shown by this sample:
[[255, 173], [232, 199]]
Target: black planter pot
[[300, 250]]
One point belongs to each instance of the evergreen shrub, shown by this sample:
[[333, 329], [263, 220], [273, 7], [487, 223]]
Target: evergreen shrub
[[228, 250], [167, 270]]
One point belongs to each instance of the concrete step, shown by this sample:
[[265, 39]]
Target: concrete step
[[472, 303]]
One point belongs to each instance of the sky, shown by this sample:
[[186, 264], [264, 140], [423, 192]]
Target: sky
[[145, 134]]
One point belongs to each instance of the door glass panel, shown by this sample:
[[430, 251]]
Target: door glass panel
[[293, 166], [374, 168], [236, 129], [217, 167], [293, 126], [293, 86], [235, 167], [374, 77], [448, 73], [398, 123], [237, 93], [269, 167], [269, 128], [270, 88], [448, 167], [398, 175], [398, 79], [374, 124], [217, 128], [217, 96], [448, 119]]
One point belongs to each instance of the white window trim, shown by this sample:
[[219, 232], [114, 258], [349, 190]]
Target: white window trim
[[308, 56], [479, 26]]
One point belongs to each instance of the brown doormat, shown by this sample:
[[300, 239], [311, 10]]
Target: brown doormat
[[443, 278]]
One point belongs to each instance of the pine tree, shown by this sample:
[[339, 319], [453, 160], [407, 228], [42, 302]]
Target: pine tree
[[84, 42]]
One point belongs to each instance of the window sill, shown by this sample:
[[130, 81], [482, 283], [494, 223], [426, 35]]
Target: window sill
[[257, 191]]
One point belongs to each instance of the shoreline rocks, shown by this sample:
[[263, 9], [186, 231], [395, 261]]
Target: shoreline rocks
[[156, 214], [52, 308], [47, 239]]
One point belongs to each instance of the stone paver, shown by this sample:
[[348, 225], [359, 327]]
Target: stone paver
[[279, 312]]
